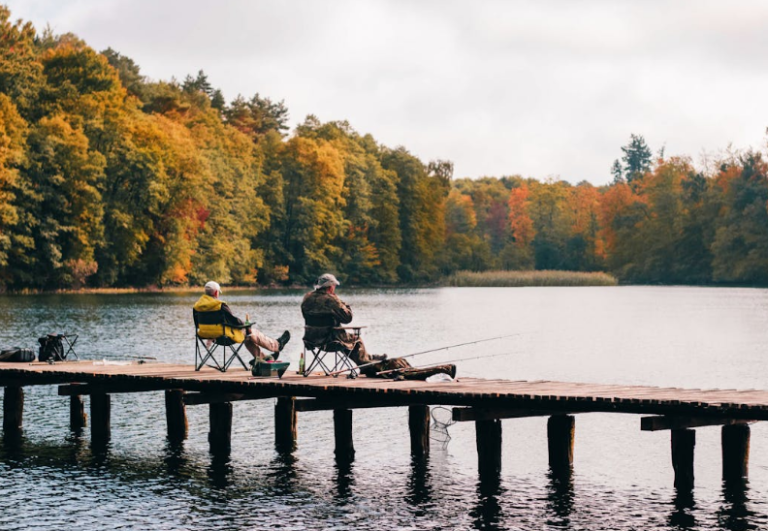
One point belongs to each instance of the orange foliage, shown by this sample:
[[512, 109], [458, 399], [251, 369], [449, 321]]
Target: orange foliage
[[615, 201], [519, 216]]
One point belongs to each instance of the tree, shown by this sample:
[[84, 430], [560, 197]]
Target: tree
[[257, 116], [129, 72], [617, 172], [13, 137], [21, 73], [519, 253], [740, 246], [422, 221], [636, 158]]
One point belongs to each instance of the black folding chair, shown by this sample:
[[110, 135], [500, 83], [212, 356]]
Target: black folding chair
[[330, 355], [218, 350], [56, 347]]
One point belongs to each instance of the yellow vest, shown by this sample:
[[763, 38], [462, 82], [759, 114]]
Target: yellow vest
[[211, 326]]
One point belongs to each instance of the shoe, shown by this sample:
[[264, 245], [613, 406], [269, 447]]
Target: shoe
[[282, 340]]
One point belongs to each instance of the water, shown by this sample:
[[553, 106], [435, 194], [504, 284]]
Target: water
[[692, 337]]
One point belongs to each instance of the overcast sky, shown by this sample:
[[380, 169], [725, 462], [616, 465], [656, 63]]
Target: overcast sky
[[538, 88]]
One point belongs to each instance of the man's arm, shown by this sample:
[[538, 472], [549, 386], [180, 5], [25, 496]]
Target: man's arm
[[342, 311], [229, 316]]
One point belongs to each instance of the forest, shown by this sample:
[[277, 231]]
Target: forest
[[110, 179]]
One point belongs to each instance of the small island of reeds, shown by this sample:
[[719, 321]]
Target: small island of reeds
[[514, 279]]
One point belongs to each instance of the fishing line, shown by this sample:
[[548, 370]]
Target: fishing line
[[478, 357], [342, 371]]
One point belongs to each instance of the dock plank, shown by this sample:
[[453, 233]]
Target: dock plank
[[539, 394]]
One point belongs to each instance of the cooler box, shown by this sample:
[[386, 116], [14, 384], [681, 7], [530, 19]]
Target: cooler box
[[270, 368]]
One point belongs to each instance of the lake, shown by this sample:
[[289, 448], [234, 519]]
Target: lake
[[666, 336]]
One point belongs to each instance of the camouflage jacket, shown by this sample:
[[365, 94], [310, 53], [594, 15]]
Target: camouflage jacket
[[322, 312]]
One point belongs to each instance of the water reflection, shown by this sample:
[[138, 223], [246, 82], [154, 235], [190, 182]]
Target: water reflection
[[733, 514], [560, 497], [420, 490], [487, 512], [174, 458], [345, 481], [219, 471], [684, 506], [284, 474]]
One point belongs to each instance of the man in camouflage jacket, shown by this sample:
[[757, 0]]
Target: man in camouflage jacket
[[324, 312]]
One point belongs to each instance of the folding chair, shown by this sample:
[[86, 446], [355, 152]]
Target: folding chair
[[220, 349], [56, 347], [333, 349]]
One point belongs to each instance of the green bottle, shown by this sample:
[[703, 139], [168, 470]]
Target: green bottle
[[301, 363]]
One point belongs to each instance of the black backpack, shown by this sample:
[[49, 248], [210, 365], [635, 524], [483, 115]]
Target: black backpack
[[17, 354], [51, 347]]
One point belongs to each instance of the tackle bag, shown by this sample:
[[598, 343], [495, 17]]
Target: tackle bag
[[51, 347], [17, 354]]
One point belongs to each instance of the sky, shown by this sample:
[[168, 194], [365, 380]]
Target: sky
[[545, 89]]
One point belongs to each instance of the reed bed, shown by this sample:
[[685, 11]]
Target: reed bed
[[516, 279]]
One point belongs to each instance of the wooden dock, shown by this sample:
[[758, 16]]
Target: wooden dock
[[485, 402]]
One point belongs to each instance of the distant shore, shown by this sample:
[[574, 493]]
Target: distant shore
[[530, 279], [462, 279]]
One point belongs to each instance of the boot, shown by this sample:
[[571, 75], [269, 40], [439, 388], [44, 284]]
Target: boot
[[281, 341]]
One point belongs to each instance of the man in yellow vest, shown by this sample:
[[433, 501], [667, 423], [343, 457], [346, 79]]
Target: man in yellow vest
[[254, 340]]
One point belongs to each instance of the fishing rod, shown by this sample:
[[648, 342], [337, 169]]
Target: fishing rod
[[478, 357], [342, 371]]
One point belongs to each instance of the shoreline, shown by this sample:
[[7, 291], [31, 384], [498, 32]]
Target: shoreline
[[229, 289]]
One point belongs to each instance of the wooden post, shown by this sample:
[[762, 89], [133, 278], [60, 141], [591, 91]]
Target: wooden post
[[100, 417], [77, 416], [735, 441], [220, 434], [176, 415], [342, 430], [418, 424], [13, 410], [285, 424], [560, 435], [683, 443], [488, 441]]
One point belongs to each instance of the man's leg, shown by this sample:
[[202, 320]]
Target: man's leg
[[423, 374], [259, 339], [252, 347]]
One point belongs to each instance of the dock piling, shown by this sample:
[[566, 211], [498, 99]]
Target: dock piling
[[13, 410], [735, 448], [683, 444], [285, 424], [220, 434], [176, 415], [78, 419], [418, 425], [488, 441], [560, 436], [342, 430], [101, 407]]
